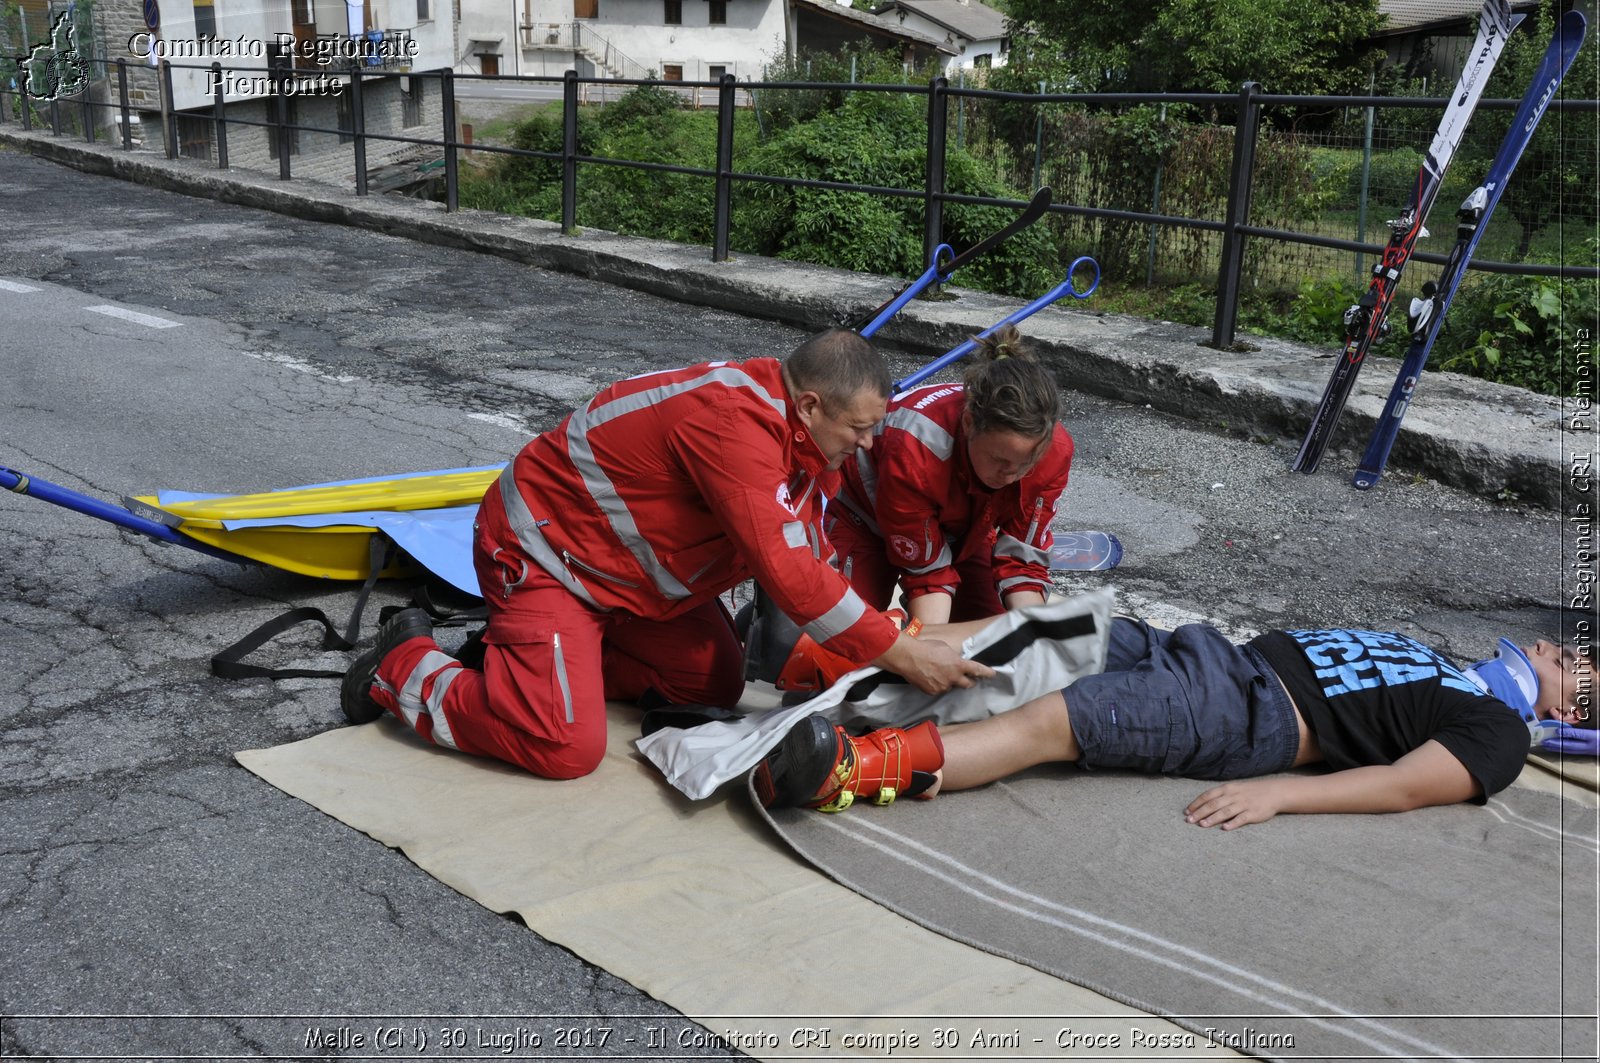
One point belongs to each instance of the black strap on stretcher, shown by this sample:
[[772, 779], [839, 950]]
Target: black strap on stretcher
[[230, 663]]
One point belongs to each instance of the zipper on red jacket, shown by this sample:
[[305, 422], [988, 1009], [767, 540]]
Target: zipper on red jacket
[[1038, 507], [572, 562]]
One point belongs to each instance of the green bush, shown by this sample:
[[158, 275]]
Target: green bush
[[779, 109], [1514, 330], [880, 140], [1391, 171], [1510, 329], [1312, 314], [646, 125], [1335, 178], [1521, 330]]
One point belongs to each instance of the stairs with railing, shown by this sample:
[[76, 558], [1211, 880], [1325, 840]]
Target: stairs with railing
[[581, 40]]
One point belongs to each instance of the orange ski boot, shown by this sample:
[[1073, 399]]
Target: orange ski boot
[[818, 765]]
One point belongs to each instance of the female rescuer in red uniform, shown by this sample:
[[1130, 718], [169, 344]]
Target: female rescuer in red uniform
[[604, 545], [956, 496]]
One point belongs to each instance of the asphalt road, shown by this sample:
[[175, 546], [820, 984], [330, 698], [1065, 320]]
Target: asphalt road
[[144, 872]]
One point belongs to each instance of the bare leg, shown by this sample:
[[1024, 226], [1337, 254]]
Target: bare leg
[[981, 752]]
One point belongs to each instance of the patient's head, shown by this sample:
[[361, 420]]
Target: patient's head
[[1566, 675]]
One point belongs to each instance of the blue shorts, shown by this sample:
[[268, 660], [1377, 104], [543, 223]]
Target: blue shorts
[[1185, 702]]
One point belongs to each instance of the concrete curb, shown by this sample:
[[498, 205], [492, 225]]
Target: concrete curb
[[1485, 438]]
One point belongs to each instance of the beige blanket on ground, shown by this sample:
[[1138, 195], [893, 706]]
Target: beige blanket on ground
[[696, 903]]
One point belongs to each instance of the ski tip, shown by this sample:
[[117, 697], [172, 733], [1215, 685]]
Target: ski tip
[[1085, 551]]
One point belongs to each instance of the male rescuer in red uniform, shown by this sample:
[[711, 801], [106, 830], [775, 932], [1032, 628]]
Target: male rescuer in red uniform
[[603, 547]]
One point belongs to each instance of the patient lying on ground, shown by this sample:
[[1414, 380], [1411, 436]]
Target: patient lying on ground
[[1398, 725]]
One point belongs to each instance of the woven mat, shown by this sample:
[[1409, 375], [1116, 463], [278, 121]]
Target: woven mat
[[1450, 931], [696, 903]]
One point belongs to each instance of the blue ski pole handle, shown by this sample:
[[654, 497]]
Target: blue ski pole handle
[[955, 354], [1427, 313], [1085, 551], [45, 491], [915, 288], [1036, 208]]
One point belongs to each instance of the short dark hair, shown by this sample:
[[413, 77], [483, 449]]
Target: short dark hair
[[837, 364], [1007, 389]]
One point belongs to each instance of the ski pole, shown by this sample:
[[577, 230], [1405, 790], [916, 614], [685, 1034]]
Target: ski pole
[[45, 491], [957, 353], [1030, 214], [914, 289]]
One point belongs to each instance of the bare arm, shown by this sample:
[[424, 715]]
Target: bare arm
[[1023, 599], [953, 635], [1428, 775], [932, 608]]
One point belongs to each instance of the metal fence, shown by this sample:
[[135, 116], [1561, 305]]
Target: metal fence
[[1225, 226]]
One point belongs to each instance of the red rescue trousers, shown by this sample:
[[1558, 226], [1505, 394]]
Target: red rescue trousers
[[864, 560], [551, 663]]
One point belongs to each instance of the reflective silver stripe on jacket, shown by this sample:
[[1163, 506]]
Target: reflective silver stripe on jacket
[[561, 674], [921, 428], [413, 705], [1007, 584], [533, 541], [849, 609], [604, 492], [943, 559], [925, 430], [1011, 546]]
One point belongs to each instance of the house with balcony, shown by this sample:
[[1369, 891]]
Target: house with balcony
[[826, 26], [974, 31], [302, 52], [674, 40]]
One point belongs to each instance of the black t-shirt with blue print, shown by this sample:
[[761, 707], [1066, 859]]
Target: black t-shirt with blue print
[[1371, 697]]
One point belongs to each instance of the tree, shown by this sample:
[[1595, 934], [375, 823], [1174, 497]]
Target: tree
[[1556, 177], [1289, 46]]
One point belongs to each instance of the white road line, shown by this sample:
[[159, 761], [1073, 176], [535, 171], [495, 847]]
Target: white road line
[[299, 365], [137, 318], [501, 420], [13, 286]]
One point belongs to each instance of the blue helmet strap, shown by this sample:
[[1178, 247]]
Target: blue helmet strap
[[1509, 676]]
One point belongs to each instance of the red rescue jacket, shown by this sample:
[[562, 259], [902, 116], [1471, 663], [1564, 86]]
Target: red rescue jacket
[[669, 488], [916, 490]]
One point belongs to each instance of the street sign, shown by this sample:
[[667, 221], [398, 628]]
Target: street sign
[[152, 15]]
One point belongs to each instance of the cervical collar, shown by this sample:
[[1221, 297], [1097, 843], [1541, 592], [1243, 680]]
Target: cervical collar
[[1509, 676]]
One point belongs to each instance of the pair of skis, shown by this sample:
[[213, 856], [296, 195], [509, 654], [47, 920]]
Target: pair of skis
[[1427, 313], [1365, 321]]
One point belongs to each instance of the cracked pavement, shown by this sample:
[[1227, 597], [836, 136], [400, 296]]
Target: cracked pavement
[[144, 872]]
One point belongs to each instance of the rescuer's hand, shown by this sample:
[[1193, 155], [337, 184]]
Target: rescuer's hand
[[930, 665]]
